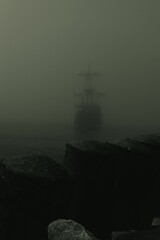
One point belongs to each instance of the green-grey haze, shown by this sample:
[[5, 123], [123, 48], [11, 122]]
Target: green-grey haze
[[44, 44]]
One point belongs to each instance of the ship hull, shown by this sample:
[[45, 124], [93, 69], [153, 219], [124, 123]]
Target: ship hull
[[88, 118]]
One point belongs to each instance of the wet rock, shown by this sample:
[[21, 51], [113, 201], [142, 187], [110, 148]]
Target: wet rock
[[152, 141], [93, 166], [34, 166], [62, 229], [113, 182], [34, 192], [83, 157], [134, 187], [156, 221], [151, 234]]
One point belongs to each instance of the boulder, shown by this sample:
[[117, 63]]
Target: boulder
[[150, 234], [134, 187], [144, 154], [152, 141], [93, 166], [34, 191], [83, 157], [62, 229], [114, 184]]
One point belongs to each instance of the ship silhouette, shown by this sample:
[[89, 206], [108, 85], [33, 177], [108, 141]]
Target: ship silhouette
[[88, 115]]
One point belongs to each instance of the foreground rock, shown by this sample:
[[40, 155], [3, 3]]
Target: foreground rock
[[152, 141], [114, 184], [62, 229], [143, 174], [82, 157], [93, 167], [152, 234], [34, 191], [135, 186]]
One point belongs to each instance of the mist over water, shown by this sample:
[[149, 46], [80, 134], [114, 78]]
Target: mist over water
[[51, 140], [43, 47]]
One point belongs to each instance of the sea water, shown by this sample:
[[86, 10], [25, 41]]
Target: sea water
[[51, 140]]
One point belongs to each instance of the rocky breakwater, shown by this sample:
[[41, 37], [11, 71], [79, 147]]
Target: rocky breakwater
[[134, 186], [150, 234], [34, 192], [92, 166], [115, 185], [152, 142]]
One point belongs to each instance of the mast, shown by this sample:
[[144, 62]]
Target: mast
[[89, 94], [88, 116]]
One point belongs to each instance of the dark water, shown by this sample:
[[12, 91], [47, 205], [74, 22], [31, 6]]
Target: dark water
[[51, 140]]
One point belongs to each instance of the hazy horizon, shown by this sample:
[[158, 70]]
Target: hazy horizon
[[45, 44]]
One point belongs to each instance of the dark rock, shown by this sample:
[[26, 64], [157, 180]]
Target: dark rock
[[93, 166], [68, 230], [135, 145], [134, 187], [150, 158], [35, 166], [83, 157], [151, 140], [34, 192], [156, 221], [152, 234], [114, 185]]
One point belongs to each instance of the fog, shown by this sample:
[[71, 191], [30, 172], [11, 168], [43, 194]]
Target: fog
[[45, 44]]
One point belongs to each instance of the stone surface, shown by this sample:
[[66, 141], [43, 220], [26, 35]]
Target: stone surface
[[134, 187], [156, 221], [114, 184], [35, 166], [144, 155], [151, 139], [62, 229], [93, 166], [135, 145], [34, 191], [82, 157], [152, 234]]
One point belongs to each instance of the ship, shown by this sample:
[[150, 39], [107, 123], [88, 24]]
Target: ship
[[88, 115]]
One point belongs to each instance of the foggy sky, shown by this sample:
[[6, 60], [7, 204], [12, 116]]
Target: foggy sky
[[45, 44]]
